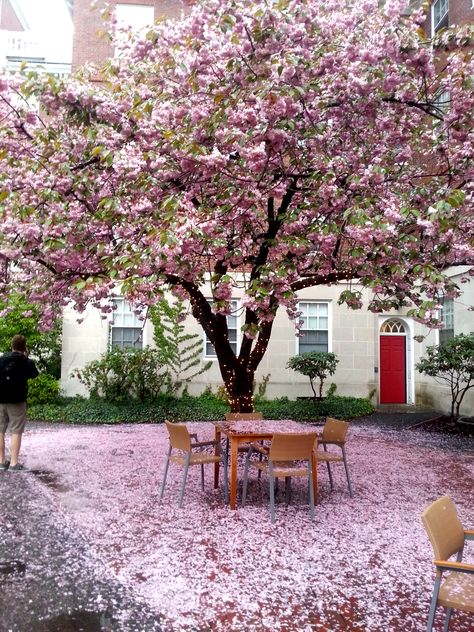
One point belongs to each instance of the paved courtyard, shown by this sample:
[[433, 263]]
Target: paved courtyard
[[94, 550]]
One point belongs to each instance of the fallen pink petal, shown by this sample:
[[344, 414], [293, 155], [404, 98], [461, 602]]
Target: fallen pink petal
[[364, 564]]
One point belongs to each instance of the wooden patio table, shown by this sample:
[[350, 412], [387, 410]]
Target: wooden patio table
[[246, 431]]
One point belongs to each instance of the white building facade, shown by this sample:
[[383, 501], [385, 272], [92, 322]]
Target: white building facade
[[377, 352]]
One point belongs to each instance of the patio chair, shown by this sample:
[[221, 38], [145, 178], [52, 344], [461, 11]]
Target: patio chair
[[242, 448], [447, 537], [288, 455], [334, 433], [180, 439]]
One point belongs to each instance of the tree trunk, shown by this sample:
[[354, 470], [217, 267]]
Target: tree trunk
[[239, 385], [238, 373]]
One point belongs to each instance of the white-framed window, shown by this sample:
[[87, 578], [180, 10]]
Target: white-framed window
[[232, 326], [315, 330], [126, 331], [134, 17], [439, 15], [442, 101], [446, 314]]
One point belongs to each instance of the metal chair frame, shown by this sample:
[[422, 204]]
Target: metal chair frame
[[334, 433], [448, 538], [284, 457], [180, 439]]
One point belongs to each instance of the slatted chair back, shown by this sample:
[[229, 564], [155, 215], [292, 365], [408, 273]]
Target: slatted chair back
[[179, 436], [444, 528], [334, 431], [292, 447]]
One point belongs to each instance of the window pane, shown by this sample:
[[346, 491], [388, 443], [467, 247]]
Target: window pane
[[232, 327], [313, 341], [116, 337], [134, 15], [323, 309], [445, 335], [210, 351], [315, 327], [440, 14], [125, 338]]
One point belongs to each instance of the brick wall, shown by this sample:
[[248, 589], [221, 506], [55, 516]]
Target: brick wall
[[459, 12]]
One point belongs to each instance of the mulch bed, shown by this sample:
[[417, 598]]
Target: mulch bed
[[445, 425]]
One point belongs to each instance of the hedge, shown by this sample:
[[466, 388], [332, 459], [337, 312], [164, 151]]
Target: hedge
[[204, 408]]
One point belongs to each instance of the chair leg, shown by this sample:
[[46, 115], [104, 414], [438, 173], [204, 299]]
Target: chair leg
[[185, 475], [446, 619], [272, 492], [331, 482], [226, 477], [165, 473], [311, 489], [347, 472], [330, 476], [434, 601], [202, 476], [246, 475], [288, 489]]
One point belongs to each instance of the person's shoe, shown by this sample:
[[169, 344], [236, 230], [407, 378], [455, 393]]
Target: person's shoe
[[4, 466], [18, 468]]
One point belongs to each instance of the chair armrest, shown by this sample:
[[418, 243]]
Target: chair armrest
[[469, 534], [200, 444], [460, 567], [258, 447]]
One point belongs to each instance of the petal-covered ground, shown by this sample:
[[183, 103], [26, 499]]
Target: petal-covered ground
[[364, 564]]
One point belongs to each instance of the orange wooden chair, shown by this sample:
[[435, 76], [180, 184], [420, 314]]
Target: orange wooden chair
[[334, 433], [289, 455], [180, 440], [447, 537]]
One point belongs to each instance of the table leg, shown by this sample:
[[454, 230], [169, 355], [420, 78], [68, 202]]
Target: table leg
[[314, 464], [234, 446], [218, 452]]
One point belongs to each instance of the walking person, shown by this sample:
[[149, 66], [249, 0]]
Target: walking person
[[15, 371]]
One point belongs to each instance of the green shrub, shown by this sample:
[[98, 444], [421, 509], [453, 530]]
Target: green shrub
[[123, 374], [207, 407], [316, 365], [451, 363], [44, 389], [181, 352], [307, 410]]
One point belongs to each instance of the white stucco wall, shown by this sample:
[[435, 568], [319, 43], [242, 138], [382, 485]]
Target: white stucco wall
[[354, 338], [84, 342], [429, 392]]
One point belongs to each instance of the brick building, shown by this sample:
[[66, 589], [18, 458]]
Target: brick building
[[370, 361], [444, 13], [90, 42]]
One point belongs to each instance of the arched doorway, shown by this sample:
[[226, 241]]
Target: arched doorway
[[393, 362]]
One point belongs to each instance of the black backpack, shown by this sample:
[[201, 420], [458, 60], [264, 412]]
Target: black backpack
[[13, 377]]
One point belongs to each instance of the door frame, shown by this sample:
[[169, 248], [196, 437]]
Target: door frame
[[409, 354]]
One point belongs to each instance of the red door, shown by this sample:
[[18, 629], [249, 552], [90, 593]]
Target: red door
[[392, 370]]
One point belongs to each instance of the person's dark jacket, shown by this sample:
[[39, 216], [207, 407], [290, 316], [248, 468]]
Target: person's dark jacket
[[15, 371]]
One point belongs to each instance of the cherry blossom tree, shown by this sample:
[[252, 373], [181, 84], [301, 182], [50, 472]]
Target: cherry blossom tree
[[258, 147]]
